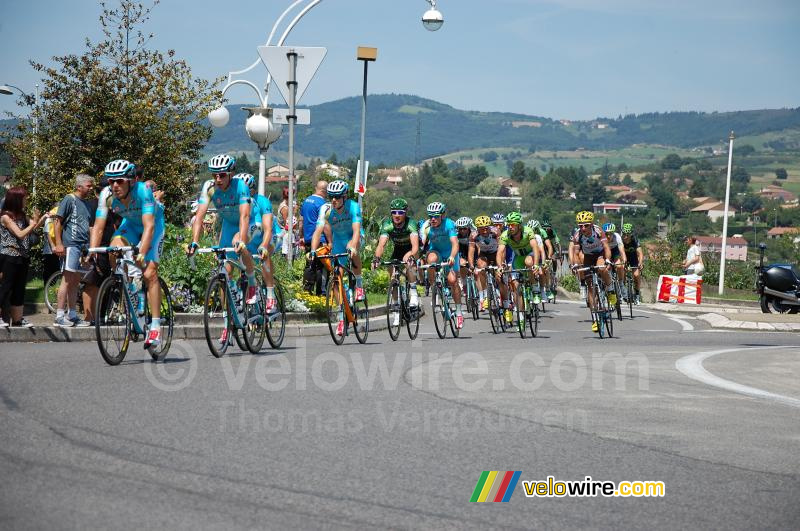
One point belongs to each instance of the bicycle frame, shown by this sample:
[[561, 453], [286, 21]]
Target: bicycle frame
[[221, 271], [337, 270], [121, 272]]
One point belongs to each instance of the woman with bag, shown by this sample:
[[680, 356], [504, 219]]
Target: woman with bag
[[16, 232]]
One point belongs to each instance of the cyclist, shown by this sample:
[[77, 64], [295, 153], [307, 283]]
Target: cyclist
[[555, 241], [232, 201], [618, 256], [484, 250], [440, 233], [526, 255], [635, 258], [546, 252], [404, 234], [262, 237], [591, 242], [342, 217], [464, 231], [142, 225]]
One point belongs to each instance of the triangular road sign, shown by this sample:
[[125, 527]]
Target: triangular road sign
[[277, 63]]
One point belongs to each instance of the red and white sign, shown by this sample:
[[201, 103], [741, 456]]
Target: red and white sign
[[686, 289]]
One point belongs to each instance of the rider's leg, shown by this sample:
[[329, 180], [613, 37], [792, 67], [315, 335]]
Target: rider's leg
[[432, 258]]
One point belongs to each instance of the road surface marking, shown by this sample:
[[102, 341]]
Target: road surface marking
[[692, 366]]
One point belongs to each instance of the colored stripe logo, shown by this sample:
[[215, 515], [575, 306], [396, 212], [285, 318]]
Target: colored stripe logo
[[494, 486]]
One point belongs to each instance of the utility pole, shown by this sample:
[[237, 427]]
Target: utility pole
[[721, 287]]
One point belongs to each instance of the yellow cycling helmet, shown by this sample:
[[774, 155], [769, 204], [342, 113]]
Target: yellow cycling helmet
[[482, 221], [584, 217]]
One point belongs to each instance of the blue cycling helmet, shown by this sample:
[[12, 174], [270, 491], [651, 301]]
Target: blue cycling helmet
[[609, 227]]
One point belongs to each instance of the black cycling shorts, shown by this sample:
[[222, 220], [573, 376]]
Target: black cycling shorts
[[591, 259], [400, 251], [490, 258]]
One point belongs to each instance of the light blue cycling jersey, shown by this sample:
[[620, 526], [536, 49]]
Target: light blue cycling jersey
[[226, 202], [341, 223], [141, 202], [439, 237]]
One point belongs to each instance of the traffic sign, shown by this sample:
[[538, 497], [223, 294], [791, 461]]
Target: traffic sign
[[276, 60], [361, 183], [303, 116]]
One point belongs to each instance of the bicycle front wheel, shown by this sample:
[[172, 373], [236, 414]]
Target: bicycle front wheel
[[112, 321], [361, 325], [51, 291], [255, 330], [167, 323], [276, 320], [334, 307], [394, 311], [216, 321], [412, 316], [523, 309], [533, 321], [439, 311]]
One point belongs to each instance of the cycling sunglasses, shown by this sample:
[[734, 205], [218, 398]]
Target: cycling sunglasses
[[119, 180], [582, 225], [221, 174], [434, 216], [398, 212]]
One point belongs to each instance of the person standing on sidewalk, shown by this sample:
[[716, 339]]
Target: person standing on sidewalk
[[50, 262], [72, 235], [693, 265], [15, 241], [312, 275]]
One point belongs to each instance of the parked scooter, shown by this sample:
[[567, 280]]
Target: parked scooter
[[778, 286]]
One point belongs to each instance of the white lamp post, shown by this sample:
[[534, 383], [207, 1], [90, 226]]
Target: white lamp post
[[432, 19], [31, 101], [721, 287]]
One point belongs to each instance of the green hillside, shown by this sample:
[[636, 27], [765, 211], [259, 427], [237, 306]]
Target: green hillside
[[392, 122]]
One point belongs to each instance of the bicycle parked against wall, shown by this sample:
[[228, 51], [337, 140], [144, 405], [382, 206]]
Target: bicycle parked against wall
[[118, 319]]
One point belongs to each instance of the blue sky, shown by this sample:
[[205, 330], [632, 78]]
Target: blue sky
[[576, 59]]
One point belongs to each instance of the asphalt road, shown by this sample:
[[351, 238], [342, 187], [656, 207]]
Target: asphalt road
[[397, 434]]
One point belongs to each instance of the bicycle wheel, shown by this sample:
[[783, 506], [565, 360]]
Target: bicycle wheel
[[255, 329], [473, 294], [533, 320], [51, 291], [361, 326], [276, 320], [394, 311], [112, 323], [215, 317], [453, 324], [618, 305], [334, 307], [439, 311], [629, 291], [494, 310], [600, 319], [167, 322], [526, 304], [412, 315], [553, 286]]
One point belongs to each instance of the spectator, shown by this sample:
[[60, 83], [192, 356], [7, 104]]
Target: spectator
[[313, 273], [50, 262], [15, 241], [693, 265], [283, 221], [72, 235]]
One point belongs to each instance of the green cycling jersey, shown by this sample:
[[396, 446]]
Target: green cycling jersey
[[400, 236]]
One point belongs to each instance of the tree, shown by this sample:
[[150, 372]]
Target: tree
[[489, 186], [518, 172], [118, 99], [781, 174], [697, 189], [745, 150], [627, 180], [489, 156], [672, 162]]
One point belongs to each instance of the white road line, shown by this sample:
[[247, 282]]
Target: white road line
[[685, 325], [692, 366]]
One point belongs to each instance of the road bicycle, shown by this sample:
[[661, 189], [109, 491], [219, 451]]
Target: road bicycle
[[117, 320], [471, 296], [630, 288], [530, 310], [496, 317], [442, 303], [276, 318], [340, 303], [398, 307], [601, 310], [617, 283], [225, 312], [51, 292]]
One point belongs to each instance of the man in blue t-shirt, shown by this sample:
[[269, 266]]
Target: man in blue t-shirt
[[309, 211]]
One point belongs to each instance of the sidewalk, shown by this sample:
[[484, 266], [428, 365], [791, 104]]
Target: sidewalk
[[187, 326]]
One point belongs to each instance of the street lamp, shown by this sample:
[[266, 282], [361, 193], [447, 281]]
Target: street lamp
[[364, 54], [31, 101], [432, 19], [721, 287]]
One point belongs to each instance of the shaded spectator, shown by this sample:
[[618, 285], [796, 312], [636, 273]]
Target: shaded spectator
[[313, 273], [15, 240], [50, 262]]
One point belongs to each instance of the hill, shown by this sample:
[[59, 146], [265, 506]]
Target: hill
[[392, 122]]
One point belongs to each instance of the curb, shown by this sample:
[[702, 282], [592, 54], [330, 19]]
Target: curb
[[716, 320], [191, 329]]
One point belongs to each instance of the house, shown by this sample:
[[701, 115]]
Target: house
[[394, 176], [337, 172], [565, 123], [776, 192], [521, 123], [508, 187], [714, 210], [778, 232], [604, 208], [736, 248], [701, 200], [277, 174]]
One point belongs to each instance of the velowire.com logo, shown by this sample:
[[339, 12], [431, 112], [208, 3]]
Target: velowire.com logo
[[494, 486]]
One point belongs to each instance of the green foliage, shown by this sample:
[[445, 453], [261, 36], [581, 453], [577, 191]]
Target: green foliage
[[781, 174], [489, 186], [489, 156], [118, 99], [672, 162], [569, 283], [177, 269]]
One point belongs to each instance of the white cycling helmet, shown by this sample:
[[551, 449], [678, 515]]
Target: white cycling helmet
[[337, 188], [120, 168], [463, 222], [248, 179], [436, 209], [221, 163]]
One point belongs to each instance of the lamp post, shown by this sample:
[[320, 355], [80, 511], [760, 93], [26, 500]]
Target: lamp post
[[364, 54], [30, 101], [721, 287]]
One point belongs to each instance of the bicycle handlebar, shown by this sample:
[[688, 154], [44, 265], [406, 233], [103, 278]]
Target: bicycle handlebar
[[111, 249]]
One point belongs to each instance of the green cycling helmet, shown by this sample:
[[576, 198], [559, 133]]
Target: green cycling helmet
[[514, 217], [398, 204], [627, 228]]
